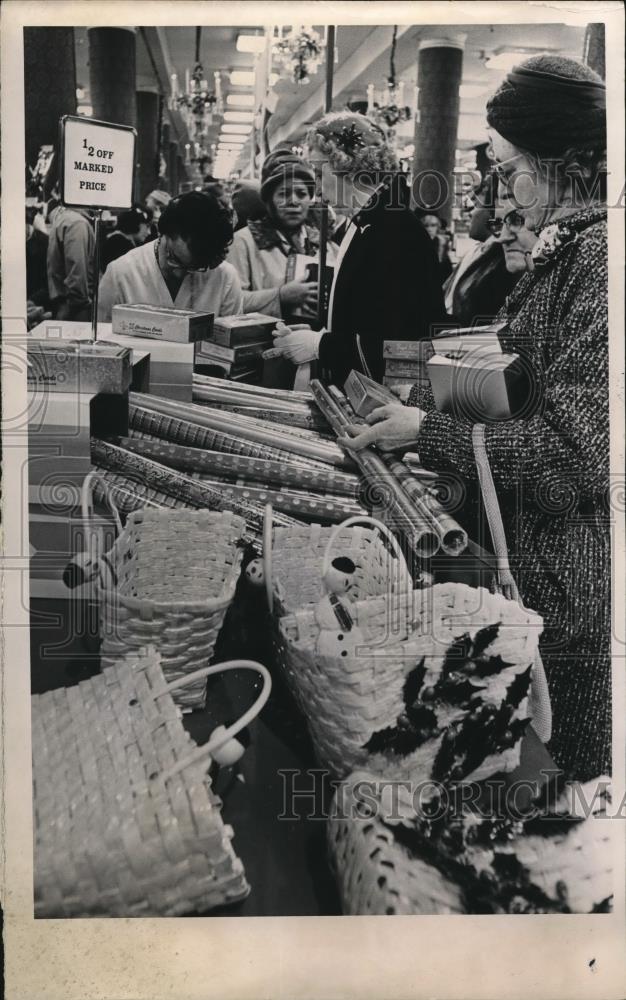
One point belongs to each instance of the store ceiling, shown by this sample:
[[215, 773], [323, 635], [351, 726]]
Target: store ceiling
[[363, 58]]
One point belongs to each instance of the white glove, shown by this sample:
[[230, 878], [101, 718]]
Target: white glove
[[298, 343]]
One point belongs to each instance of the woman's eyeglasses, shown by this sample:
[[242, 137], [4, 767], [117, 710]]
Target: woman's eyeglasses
[[174, 262], [513, 221]]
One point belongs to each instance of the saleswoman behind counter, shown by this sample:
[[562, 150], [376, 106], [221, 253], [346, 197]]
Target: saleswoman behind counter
[[185, 267]]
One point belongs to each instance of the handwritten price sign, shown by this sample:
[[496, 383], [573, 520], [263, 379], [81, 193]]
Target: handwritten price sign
[[97, 163]]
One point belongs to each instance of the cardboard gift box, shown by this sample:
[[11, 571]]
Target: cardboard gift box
[[232, 331], [182, 326], [478, 388], [59, 365]]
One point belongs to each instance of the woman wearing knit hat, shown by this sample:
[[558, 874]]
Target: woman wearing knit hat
[[550, 465], [386, 284], [265, 251]]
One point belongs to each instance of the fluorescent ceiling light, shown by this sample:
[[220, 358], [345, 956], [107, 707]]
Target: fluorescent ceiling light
[[470, 90], [250, 43], [240, 100], [236, 129], [85, 109], [239, 116], [242, 78]]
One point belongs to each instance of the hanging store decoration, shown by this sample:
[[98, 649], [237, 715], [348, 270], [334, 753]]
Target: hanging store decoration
[[198, 105], [387, 107], [300, 51]]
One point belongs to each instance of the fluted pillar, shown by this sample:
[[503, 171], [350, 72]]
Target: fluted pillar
[[173, 168], [47, 96], [440, 67], [147, 141], [594, 48]]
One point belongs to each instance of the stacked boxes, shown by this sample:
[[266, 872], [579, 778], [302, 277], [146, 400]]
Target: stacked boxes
[[236, 345]]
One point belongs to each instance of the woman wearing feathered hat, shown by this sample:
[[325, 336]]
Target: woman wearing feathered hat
[[386, 284]]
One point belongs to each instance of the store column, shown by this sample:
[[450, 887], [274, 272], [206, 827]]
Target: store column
[[594, 48], [47, 96], [112, 74], [440, 66], [173, 168], [147, 141], [165, 152]]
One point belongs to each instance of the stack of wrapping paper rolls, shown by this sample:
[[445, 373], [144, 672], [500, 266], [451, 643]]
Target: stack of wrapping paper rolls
[[239, 447]]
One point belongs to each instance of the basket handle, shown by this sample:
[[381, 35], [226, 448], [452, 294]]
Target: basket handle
[[200, 753], [86, 503], [267, 555], [363, 519]]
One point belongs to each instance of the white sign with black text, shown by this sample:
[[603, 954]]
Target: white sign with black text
[[98, 162]]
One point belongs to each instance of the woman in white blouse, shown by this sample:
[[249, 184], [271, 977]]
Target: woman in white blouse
[[184, 268]]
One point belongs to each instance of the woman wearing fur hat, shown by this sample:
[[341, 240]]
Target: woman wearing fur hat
[[265, 250], [551, 464], [386, 283]]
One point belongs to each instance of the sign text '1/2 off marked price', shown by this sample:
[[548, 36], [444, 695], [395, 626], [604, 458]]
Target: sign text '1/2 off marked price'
[[97, 163]]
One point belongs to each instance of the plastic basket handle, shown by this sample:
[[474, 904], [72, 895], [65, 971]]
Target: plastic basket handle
[[200, 753], [363, 519]]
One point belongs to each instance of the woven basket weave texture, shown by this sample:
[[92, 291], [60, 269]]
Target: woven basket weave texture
[[177, 573], [348, 696], [110, 837]]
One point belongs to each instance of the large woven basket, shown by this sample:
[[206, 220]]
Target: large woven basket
[[125, 822], [295, 560], [566, 866], [176, 576], [351, 684]]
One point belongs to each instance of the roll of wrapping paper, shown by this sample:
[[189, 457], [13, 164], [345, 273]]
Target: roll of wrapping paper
[[304, 507], [282, 421], [129, 495], [291, 396], [399, 512], [452, 537], [209, 393], [176, 484], [160, 426], [324, 451], [330, 483], [288, 418]]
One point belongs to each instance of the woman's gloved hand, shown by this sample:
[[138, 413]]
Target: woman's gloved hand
[[298, 343], [392, 427]]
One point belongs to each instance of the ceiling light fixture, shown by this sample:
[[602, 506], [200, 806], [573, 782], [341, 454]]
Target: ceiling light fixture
[[239, 116], [236, 129], [240, 100], [242, 78], [250, 43]]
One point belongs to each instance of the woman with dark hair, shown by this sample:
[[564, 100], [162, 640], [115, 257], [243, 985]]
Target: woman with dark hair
[[551, 464], [265, 251], [133, 228], [185, 267], [386, 283]]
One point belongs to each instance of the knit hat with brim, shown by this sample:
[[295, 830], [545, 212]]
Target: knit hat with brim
[[283, 165]]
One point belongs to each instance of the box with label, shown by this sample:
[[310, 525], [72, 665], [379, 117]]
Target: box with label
[[181, 326], [232, 331], [60, 365], [171, 365], [366, 395], [478, 389]]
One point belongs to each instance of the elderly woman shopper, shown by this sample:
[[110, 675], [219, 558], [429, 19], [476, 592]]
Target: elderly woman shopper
[[551, 464], [266, 251], [185, 267], [386, 283]]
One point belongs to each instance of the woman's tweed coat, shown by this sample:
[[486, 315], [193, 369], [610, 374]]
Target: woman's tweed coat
[[551, 472]]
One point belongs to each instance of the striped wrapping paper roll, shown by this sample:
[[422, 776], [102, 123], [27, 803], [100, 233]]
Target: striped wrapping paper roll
[[129, 494], [292, 397], [303, 506], [392, 503], [286, 418], [177, 485], [452, 537], [246, 427], [274, 474], [185, 432]]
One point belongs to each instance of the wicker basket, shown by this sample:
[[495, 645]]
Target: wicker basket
[[125, 822], [175, 576], [296, 559], [351, 684], [568, 864]]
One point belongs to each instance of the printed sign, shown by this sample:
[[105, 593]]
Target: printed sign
[[97, 163]]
